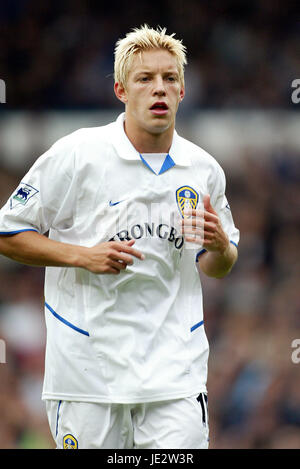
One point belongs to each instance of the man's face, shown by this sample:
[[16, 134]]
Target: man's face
[[153, 91]]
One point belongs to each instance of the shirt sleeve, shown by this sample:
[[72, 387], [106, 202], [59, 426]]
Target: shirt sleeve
[[45, 197], [217, 189]]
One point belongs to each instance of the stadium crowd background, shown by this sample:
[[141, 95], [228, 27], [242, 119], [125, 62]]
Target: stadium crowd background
[[58, 56]]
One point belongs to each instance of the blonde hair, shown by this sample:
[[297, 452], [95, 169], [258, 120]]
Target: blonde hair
[[145, 38]]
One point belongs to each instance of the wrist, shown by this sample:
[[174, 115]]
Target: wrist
[[80, 257]]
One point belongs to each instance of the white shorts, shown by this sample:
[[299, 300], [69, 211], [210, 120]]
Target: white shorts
[[174, 424]]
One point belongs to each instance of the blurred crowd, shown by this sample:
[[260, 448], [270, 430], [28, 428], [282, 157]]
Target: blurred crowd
[[252, 316], [60, 54], [241, 55]]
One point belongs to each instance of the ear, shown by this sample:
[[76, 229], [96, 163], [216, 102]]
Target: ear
[[182, 93], [120, 92]]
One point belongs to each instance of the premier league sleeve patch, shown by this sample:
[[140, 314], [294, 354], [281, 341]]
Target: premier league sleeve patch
[[23, 193], [187, 198], [70, 442]]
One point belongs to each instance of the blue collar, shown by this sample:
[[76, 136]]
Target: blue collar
[[167, 164]]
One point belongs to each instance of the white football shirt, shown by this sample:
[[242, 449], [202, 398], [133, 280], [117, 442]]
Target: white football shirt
[[138, 336]]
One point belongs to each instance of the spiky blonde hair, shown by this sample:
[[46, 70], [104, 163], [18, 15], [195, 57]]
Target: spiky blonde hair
[[145, 38]]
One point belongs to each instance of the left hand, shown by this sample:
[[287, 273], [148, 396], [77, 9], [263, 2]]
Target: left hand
[[206, 228]]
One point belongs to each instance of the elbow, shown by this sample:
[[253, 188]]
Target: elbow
[[216, 270], [216, 274]]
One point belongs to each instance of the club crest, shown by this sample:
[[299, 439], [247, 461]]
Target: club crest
[[70, 442], [23, 193], [187, 198]]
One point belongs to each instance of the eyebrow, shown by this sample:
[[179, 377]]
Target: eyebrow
[[149, 72]]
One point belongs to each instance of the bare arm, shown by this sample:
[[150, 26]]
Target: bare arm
[[220, 255], [218, 264], [32, 248]]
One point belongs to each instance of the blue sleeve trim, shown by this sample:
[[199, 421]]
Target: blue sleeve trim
[[199, 254], [60, 318], [235, 244], [17, 231], [195, 326]]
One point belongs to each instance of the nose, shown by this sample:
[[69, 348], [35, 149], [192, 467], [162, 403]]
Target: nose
[[159, 86]]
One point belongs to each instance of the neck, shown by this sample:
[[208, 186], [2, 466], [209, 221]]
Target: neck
[[147, 142]]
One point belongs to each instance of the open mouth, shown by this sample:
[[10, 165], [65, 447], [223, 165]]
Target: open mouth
[[159, 108]]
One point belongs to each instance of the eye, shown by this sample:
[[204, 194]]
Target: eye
[[144, 79]]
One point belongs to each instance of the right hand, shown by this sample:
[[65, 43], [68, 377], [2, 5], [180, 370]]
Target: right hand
[[111, 257]]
